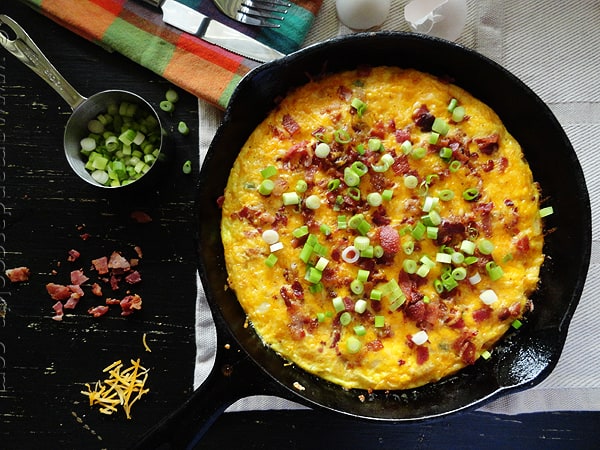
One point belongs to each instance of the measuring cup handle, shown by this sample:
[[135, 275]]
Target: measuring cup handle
[[29, 54]]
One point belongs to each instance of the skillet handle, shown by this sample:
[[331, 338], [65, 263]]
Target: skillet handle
[[234, 376]]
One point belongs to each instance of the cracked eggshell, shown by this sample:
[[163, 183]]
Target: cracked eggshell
[[440, 18], [362, 14]]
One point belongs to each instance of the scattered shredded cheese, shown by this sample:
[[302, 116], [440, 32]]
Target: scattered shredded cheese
[[124, 387], [145, 343]]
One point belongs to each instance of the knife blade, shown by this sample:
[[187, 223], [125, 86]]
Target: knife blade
[[193, 22]]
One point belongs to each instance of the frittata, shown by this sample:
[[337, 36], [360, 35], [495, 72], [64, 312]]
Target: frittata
[[382, 229]]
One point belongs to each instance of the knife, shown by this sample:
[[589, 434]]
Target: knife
[[193, 22]]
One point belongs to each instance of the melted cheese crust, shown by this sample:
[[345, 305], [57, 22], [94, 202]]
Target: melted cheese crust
[[379, 348]]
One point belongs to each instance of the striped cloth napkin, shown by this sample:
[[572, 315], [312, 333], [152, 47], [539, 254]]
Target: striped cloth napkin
[[137, 31]]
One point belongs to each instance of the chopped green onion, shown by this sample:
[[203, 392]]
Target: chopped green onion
[[548, 210], [485, 247], [361, 242], [341, 223], [454, 166], [360, 330], [443, 258], [411, 181], [488, 296], [312, 202], [376, 295], [321, 264], [325, 229], [354, 193], [353, 345], [375, 144], [459, 273], [342, 136], [374, 199], [418, 232], [486, 354], [290, 198], [468, 247], [458, 114], [333, 184], [453, 103], [446, 195], [322, 150], [266, 187], [471, 194], [406, 147], [433, 138], [387, 194], [271, 260], [313, 275], [445, 153], [359, 106], [300, 231], [360, 306], [268, 171], [363, 227], [351, 178], [345, 318], [357, 287], [301, 186], [409, 266], [494, 271], [338, 304], [183, 128], [167, 106], [363, 275], [419, 152], [172, 96], [379, 321], [187, 167], [359, 168], [440, 126], [517, 324]]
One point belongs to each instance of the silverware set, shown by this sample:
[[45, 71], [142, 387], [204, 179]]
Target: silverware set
[[261, 13]]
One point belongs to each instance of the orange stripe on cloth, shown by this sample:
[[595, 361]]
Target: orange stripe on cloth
[[202, 77], [79, 16]]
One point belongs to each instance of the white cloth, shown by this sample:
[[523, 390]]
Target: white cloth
[[553, 48]]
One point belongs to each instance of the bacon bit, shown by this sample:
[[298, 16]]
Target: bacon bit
[[18, 274], [290, 124], [58, 291], [58, 309], [465, 349], [73, 255], [375, 345], [423, 118], [78, 277], [121, 388], [140, 217], [389, 239], [133, 278], [101, 265], [98, 311], [220, 201], [116, 262], [488, 144], [97, 290], [85, 236], [479, 315], [422, 354], [522, 244], [138, 251], [71, 303], [130, 303], [113, 301]]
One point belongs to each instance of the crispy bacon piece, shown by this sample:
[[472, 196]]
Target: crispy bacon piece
[[465, 348], [389, 239], [73, 255], [101, 265], [98, 311], [423, 118], [71, 303], [58, 291], [481, 314], [422, 354], [18, 274], [290, 124], [97, 290], [78, 277], [118, 263], [133, 278], [58, 310], [489, 144], [130, 303], [140, 216], [375, 345]]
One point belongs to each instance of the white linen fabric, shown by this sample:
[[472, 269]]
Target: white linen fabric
[[551, 47]]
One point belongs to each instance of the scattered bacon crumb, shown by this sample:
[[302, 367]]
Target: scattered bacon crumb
[[140, 217], [101, 265], [98, 311], [73, 255], [58, 291], [85, 236], [133, 278], [18, 274], [58, 309], [78, 277], [97, 289], [130, 303], [118, 262], [138, 250]]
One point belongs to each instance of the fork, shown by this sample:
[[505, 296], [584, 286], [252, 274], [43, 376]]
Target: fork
[[255, 12]]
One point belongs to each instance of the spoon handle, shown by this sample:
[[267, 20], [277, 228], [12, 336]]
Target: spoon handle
[[29, 54]]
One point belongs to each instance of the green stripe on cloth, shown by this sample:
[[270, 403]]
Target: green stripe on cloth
[[226, 96], [144, 48]]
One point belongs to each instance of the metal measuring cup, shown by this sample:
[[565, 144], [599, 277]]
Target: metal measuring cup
[[84, 109]]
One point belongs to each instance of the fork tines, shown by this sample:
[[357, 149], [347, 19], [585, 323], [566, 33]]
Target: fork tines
[[266, 9]]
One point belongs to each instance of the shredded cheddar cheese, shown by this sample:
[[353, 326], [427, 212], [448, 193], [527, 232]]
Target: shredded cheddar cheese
[[122, 388], [145, 343]]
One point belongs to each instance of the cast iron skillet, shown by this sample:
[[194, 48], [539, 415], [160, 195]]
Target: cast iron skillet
[[524, 358]]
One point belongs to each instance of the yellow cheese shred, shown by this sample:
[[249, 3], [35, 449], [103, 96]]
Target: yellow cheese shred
[[122, 388]]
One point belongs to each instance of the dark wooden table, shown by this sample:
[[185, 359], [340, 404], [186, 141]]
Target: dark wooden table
[[45, 364]]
